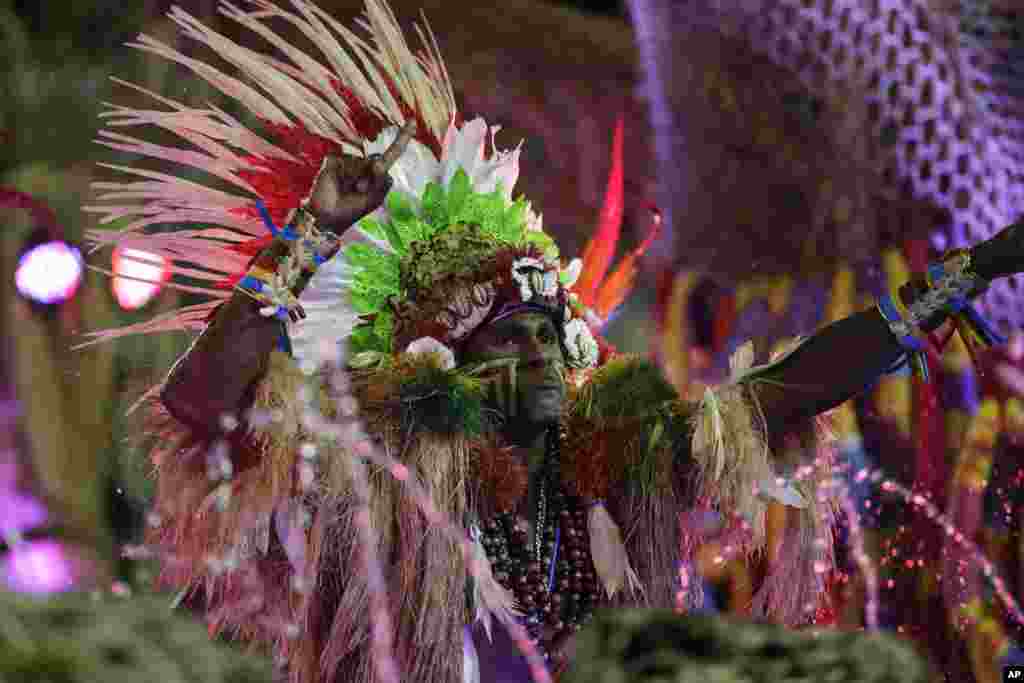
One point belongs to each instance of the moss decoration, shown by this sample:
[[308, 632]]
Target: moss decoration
[[626, 387], [443, 402]]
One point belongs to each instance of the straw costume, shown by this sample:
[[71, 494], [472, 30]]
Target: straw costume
[[259, 511]]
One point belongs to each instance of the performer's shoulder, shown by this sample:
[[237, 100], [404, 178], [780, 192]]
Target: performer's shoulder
[[627, 386]]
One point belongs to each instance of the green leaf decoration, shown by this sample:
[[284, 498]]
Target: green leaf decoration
[[544, 242], [416, 230], [383, 327], [373, 228], [515, 217], [435, 206], [359, 254], [373, 338], [454, 231], [362, 340], [443, 402], [395, 239], [459, 191], [375, 277], [626, 387], [399, 207]]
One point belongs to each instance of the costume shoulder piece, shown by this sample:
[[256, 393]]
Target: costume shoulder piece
[[618, 420], [735, 471], [627, 436], [655, 456]]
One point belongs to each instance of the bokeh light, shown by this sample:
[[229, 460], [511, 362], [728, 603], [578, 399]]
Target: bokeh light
[[37, 567], [145, 274], [49, 273], [19, 513]]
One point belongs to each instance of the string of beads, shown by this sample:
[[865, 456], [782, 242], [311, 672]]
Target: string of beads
[[556, 587]]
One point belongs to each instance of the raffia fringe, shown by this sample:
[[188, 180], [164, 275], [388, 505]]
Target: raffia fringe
[[731, 454], [203, 518], [796, 585], [425, 571], [214, 534]]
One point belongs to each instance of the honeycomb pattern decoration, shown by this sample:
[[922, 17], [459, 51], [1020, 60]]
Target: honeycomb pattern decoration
[[941, 131]]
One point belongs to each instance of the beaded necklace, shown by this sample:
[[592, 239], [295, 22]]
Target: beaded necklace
[[555, 584]]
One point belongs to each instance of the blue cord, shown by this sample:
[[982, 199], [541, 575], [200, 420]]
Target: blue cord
[[287, 232], [554, 558]]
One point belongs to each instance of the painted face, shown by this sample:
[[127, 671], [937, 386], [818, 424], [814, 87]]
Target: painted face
[[532, 339]]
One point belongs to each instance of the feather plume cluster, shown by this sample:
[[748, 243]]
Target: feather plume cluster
[[333, 100]]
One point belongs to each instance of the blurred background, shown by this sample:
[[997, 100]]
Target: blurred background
[[797, 204]]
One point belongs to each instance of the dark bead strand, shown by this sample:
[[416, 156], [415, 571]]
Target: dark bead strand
[[584, 579], [555, 504], [575, 592]]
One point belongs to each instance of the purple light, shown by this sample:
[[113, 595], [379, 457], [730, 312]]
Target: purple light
[[37, 567], [20, 513], [49, 273]]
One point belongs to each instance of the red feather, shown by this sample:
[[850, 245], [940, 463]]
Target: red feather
[[598, 254], [281, 184]]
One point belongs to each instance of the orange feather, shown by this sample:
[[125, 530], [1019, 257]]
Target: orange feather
[[617, 286]]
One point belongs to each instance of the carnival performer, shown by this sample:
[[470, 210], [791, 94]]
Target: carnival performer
[[361, 210]]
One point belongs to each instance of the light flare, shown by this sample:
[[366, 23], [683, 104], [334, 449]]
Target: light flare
[[49, 273]]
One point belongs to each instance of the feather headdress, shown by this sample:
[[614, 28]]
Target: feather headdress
[[350, 96], [307, 107]]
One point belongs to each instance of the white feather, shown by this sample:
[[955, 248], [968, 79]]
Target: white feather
[[741, 360], [329, 312], [416, 167], [232, 87], [611, 560]]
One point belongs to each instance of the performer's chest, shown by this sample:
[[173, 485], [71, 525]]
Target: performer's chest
[[541, 553]]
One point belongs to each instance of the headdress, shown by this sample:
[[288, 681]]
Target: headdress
[[450, 249]]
